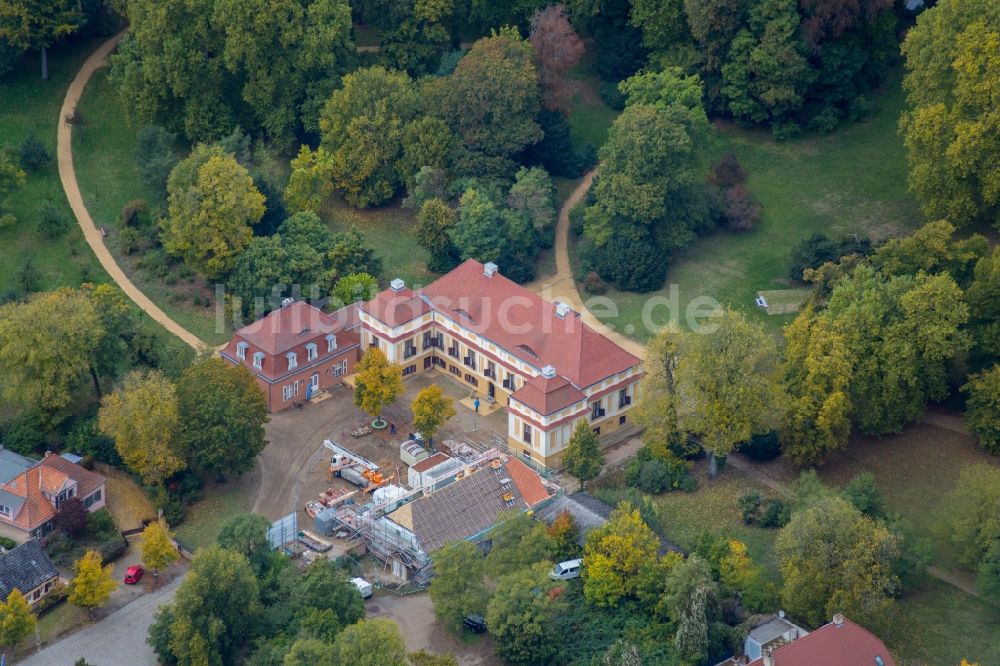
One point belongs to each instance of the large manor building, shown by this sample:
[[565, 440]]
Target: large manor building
[[503, 341]]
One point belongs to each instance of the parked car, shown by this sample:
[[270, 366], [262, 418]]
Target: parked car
[[566, 570], [474, 623], [364, 587], [134, 574]]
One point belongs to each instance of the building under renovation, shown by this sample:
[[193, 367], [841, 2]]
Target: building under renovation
[[456, 500]]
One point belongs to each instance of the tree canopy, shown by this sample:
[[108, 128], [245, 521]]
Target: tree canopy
[[378, 382]]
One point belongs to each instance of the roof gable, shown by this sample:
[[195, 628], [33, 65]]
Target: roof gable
[[25, 568], [287, 327]]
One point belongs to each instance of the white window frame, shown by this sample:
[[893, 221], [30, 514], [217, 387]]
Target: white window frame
[[286, 392], [241, 350], [4, 510], [293, 360], [339, 369], [331, 342], [295, 388], [311, 351], [314, 381], [258, 360]]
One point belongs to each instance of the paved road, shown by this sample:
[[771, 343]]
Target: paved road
[[117, 640]]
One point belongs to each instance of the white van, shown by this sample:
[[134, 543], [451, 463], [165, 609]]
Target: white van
[[566, 570], [364, 587]]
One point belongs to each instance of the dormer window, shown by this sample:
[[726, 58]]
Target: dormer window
[[241, 350], [331, 342], [311, 351], [258, 360], [293, 360]]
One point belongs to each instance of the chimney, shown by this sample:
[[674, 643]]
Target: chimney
[[489, 268], [285, 302], [562, 309], [397, 285], [548, 372], [838, 620], [768, 657]]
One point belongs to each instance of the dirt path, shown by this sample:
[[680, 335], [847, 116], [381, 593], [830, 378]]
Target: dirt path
[[67, 174], [562, 285]]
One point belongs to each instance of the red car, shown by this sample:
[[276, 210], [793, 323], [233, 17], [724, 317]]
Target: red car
[[134, 574]]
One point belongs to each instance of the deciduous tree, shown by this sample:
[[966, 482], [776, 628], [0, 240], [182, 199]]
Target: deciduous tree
[[143, 418], [431, 409], [656, 409], [692, 599], [834, 559], [613, 555], [564, 534], [17, 622], [92, 584], [37, 24], [355, 287], [222, 431], [158, 550], [434, 223], [817, 373], [729, 378], [583, 457], [984, 310], [480, 232], [557, 50], [213, 204], [982, 409], [374, 642], [378, 382], [71, 517], [951, 130], [523, 615], [40, 368], [215, 612], [457, 587]]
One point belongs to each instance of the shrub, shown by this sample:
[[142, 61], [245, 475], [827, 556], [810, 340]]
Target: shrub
[[816, 250], [862, 491], [113, 549], [740, 210], [648, 511], [594, 284], [34, 154], [100, 525], [628, 263], [7, 543], [86, 439], [71, 517], [128, 240], [727, 172], [51, 220], [749, 506], [785, 131], [655, 475], [134, 213], [825, 121], [776, 514], [860, 108], [58, 543], [761, 447]]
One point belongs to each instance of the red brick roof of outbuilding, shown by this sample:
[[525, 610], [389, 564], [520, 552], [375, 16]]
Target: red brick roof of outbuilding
[[833, 645], [528, 483], [396, 307], [526, 325], [547, 395], [287, 327]]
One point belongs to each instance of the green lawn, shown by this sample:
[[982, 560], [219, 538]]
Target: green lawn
[[29, 104], [204, 518], [852, 181], [103, 154], [391, 231], [713, 507], [940, 626]]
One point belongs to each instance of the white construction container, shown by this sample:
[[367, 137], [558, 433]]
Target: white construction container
[[411, 452], [364, 587]]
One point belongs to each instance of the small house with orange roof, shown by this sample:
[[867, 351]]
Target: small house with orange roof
[[31, 492]]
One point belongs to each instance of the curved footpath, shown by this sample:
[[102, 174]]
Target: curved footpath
[[562, 286], [67, 174]]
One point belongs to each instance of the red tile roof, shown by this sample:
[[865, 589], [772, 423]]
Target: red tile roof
[[528, 483], [831, 645], [396, 307], [526, 325], [548, 395], [50, 474], [428, 463], [288, 327]]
